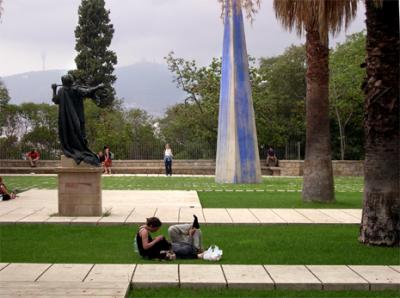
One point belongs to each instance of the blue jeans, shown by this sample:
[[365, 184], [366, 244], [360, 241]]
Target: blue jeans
[[168, 166]]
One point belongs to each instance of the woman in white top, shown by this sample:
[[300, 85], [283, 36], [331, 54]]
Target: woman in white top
[[168, 160]]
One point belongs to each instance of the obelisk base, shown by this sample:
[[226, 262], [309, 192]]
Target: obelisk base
[[79, 189]]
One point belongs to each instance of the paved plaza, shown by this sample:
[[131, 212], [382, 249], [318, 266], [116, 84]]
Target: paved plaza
[[37, 206], [133, 206]]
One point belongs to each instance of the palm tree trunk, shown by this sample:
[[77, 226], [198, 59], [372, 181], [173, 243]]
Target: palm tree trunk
[[318, 175], [380, 223]]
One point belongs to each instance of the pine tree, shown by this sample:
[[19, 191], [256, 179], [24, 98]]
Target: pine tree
[[95, 62]]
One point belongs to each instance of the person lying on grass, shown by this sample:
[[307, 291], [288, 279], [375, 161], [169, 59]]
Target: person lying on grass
[[186, 240], [159, 248]]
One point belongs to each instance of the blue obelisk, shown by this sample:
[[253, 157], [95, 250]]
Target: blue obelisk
[[238, 160]]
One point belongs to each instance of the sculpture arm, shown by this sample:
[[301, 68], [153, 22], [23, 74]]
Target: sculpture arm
[[88, 91], [55, 98]]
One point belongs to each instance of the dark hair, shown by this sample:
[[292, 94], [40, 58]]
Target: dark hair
[[153, 222]]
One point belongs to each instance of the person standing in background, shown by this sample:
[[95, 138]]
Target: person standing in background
[[107, 160], [168, 160]]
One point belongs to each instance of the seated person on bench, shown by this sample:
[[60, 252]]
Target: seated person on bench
[[272, 160]]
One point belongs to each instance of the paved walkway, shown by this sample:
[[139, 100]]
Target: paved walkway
[[132, 207], [114, 280]]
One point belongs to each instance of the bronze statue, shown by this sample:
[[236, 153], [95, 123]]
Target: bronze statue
[[71, 119]]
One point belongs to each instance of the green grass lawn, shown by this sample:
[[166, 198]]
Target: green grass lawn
[[273, 192], [242, 244], [344, 200], [242, 293], [342, 184]]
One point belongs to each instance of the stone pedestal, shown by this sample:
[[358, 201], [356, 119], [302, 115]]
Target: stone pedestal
[[79, 189]]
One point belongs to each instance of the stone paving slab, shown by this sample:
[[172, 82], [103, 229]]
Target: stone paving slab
[[291, 216], [114, 218], [242, 216], [66, 272], [111, 273], [199, 276], [317, 216], [22, 272], [338, 277], [396, 268], [86, 220], [154, 276], [63, 289], [379, 277], [18, 214], [140, 214], [3, 265], [341, 216], [168, 215], [151, 198], [216, 215], [5, 208], [293, 277], [34, 218], [356, 213], [247, 276], [186, 215], [60, 219], [267, 216]]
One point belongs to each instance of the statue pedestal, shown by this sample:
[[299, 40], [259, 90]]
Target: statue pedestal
[[79, 189]]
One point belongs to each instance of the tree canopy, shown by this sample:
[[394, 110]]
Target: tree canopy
[[95, 62]]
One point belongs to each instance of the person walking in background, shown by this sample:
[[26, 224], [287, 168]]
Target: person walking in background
[[33, 156], [168, 160], [107, 160], [5, 194]]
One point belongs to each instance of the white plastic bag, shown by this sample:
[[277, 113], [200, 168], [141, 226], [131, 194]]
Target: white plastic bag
[[213, 254]]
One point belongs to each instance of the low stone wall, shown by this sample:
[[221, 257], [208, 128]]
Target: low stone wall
[[189, 167], [340, 167]]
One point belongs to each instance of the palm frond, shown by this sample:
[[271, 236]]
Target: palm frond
[[251, 7], [326, 16]]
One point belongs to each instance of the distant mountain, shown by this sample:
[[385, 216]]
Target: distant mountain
[[147, 86]]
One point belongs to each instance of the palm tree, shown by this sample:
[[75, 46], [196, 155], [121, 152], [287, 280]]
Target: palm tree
[[380, 223], [317, 18]]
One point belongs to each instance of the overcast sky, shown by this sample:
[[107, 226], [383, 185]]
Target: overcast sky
[[145, 30]]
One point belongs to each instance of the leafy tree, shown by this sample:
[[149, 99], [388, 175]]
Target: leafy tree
[[4, 96], [345, 94], [197, 118], [317, 18], [380, 224], [4, 99], [279, 98], [95, 62]]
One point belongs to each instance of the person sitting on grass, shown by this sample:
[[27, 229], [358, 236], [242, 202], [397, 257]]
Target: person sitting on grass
[[5, 194], [159, 248], [186, 240]]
